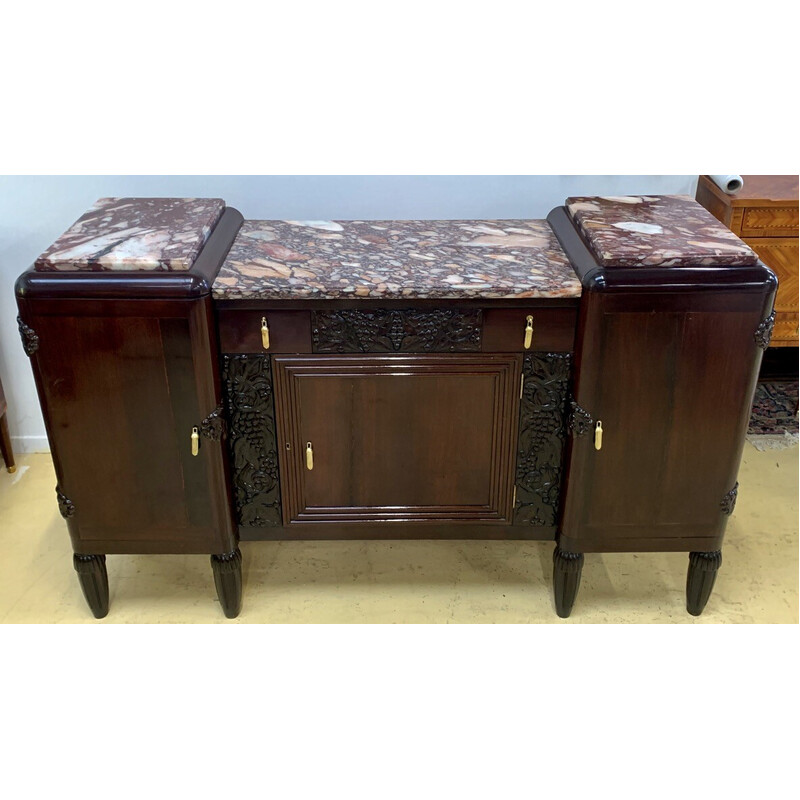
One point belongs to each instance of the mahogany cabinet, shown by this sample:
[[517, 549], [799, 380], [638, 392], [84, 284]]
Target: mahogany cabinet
[[128, 377], [275, 380], [667, 360], [354, 432]]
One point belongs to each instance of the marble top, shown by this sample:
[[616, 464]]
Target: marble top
[[135, 233], [397, 259], [669, 230]]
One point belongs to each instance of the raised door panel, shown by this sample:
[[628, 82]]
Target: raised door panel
[[405, 438], [121, 394], [672, 391]]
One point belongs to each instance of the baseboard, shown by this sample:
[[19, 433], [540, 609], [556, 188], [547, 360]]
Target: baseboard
[[30, 444]]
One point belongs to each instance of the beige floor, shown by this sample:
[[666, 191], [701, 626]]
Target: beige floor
[[420, 581]]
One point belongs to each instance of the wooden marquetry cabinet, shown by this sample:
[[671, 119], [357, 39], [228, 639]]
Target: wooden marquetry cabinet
[[765, 215]]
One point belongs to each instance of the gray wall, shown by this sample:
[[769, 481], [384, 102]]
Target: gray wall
[[36, 210]]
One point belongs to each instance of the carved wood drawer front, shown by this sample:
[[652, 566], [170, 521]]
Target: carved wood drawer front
[[397, 330], [510, 330], [264, 331], [769, 222]]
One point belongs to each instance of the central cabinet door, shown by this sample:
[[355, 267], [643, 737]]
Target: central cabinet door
[[397, 437]]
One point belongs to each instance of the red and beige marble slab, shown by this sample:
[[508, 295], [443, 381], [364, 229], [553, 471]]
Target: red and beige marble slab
[[668, 230], [396, 259], [135, 233]]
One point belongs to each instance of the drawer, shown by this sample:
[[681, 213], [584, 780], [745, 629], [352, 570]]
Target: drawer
[[769, 222], [504, 329], [240, 331]]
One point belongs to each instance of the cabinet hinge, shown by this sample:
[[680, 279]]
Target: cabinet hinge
[[728, 503], [65, 505], [30, 339], [514, 497], [580, 421], [521, 385], [763, 334], [213, 426]]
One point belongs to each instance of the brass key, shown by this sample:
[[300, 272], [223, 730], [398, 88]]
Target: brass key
[[598, 435], [195, 441]]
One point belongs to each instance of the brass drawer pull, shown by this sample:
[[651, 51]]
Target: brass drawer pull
[[529, 332], [264, 333], [195, 441], [309, 456], [598, 435]]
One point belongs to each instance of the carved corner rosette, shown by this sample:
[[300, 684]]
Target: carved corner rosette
[[580, 420], [728, 503], [213, 426], [541, 439], [30, 339], [65, 505], [763, 334]]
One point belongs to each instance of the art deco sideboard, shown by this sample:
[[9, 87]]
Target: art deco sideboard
[[584, 379]]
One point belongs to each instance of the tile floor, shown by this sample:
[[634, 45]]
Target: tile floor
[[418, 581]]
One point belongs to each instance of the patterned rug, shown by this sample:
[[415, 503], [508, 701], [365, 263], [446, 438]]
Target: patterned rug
[[773, 421]]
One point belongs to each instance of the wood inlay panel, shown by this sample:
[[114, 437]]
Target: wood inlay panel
[[769, 222], [782, 257], [765, 214]]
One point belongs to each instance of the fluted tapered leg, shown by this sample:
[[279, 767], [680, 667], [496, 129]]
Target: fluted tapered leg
[[700, 579], [93, 578], [228, 579], [566, 579]]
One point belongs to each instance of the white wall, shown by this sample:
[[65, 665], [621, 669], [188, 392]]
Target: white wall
[[36, 210]]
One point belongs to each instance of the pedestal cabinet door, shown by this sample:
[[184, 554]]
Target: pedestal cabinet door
[[407, 438], [123, 384], [669, 379]]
